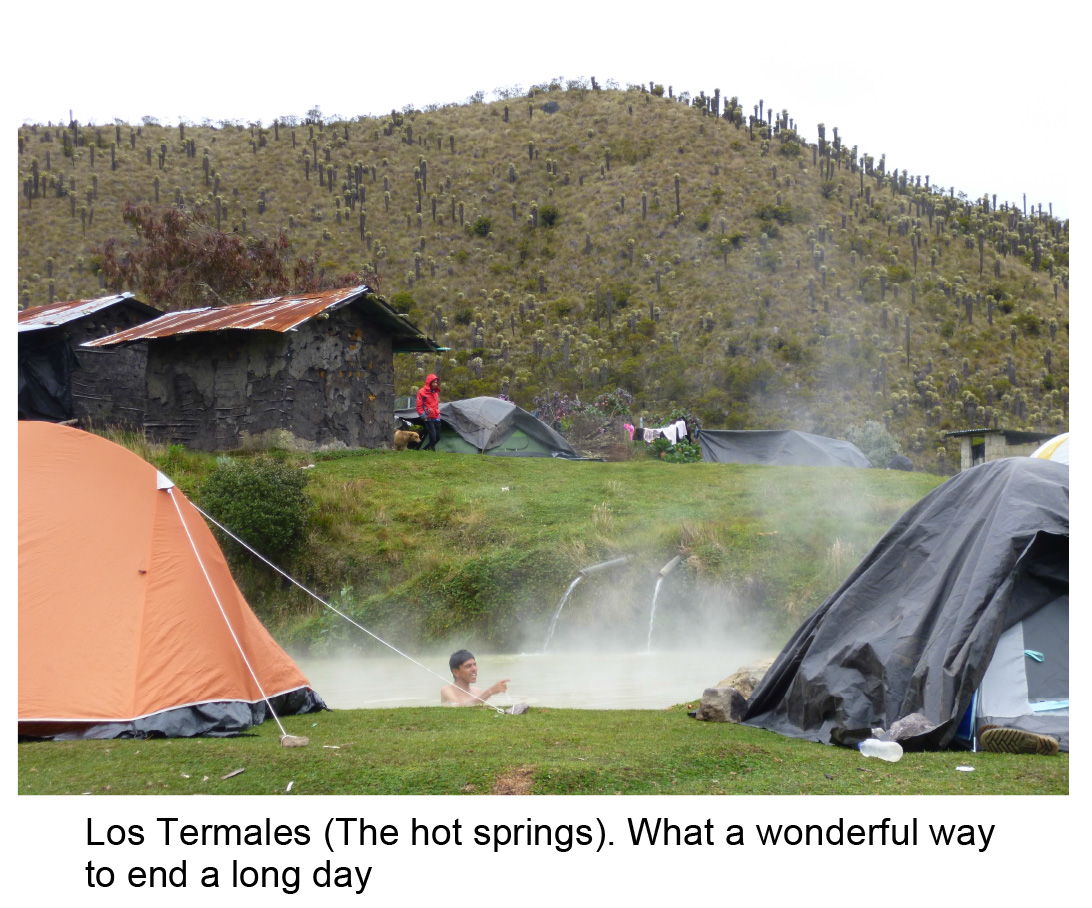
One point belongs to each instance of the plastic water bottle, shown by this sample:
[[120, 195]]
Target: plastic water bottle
[[885, 750]]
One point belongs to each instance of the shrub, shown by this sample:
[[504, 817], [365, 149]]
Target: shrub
[[618, 402], [261, 500], [481, 226], [548, 215], [898, 274], [681, 452], [1028, 322], [783, 214], [875, 442]]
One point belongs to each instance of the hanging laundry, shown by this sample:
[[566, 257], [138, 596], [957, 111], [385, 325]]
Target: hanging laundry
[[629, 429]]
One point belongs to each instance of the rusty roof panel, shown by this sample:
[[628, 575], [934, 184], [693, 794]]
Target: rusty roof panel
[[53, 314], [278, 313]]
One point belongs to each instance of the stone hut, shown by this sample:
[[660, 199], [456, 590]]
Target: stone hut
[[308, 371], [982, 445], [61, 381]]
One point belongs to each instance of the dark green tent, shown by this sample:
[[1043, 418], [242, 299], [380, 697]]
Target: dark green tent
[[490, 425]]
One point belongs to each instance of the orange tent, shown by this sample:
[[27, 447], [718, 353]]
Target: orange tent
[[130, 623]]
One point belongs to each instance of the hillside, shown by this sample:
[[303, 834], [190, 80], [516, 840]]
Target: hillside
[[575, 240], [387, 535]]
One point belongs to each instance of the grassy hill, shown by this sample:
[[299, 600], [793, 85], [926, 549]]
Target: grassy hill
[[574, 240]]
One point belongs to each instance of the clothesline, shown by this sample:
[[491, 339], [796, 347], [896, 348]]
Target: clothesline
[[673, 432]]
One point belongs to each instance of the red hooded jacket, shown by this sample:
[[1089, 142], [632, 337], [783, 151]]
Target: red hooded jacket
[[428, 401]]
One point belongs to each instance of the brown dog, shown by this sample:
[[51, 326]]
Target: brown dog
[[403, 438]]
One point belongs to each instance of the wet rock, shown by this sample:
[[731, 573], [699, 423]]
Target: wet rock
[[721, 704], [746, 679]]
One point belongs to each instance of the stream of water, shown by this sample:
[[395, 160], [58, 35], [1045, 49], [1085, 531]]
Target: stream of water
[[557, 611]]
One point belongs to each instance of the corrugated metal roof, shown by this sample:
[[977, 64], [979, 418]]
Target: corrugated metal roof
[[1013, 436], [53, 314], [278, 313]]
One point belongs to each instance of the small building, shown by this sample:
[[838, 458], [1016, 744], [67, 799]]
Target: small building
[[982, 445], [312, 370], [60, 380]]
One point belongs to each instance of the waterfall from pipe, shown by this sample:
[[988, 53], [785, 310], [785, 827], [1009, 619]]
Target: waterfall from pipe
[[590, 569], [652, 613], [664, 571], [557, 611]]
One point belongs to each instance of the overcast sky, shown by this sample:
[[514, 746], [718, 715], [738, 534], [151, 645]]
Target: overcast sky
[[979, 96]]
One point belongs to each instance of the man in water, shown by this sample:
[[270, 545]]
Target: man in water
[[464, 672]]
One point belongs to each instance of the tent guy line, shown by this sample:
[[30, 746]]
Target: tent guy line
[[332, 608], [287, 740]]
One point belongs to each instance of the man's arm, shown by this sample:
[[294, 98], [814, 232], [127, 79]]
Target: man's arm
[[456, 696], [498, 688]]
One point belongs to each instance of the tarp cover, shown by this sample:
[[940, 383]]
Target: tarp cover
[[914, 627], [778, 447], [120, 632], [46, 364], [487, 422]]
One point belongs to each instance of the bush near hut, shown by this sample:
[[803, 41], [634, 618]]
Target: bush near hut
[[261, 500]]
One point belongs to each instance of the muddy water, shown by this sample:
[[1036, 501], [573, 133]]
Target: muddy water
[[579, 680]]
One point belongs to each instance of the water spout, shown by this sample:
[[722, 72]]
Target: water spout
[[664, 571], [584, 572], [557, 611], [602, 566]]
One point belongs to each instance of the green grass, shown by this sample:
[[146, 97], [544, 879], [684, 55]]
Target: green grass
[[429, 546], [544, 751]]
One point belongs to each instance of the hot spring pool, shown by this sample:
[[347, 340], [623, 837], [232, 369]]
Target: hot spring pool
[[574, 680]]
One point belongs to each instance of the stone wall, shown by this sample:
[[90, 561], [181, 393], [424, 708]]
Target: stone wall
[[327, 384]]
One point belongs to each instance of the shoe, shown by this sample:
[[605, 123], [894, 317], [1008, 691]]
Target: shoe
[[1015, 741]]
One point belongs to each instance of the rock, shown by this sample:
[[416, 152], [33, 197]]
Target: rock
[[721, 704], [746, 679], [910, 726]]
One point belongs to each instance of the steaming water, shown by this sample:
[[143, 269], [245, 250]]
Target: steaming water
[[557, 612], [575, 680]]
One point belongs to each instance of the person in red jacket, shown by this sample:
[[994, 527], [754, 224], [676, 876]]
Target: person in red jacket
[[428, 406]]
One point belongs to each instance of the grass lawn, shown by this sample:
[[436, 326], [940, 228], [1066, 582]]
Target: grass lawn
[[432, 750]]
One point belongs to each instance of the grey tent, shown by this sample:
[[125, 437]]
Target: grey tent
[[490, 425], [965, 598], [778, 447]]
